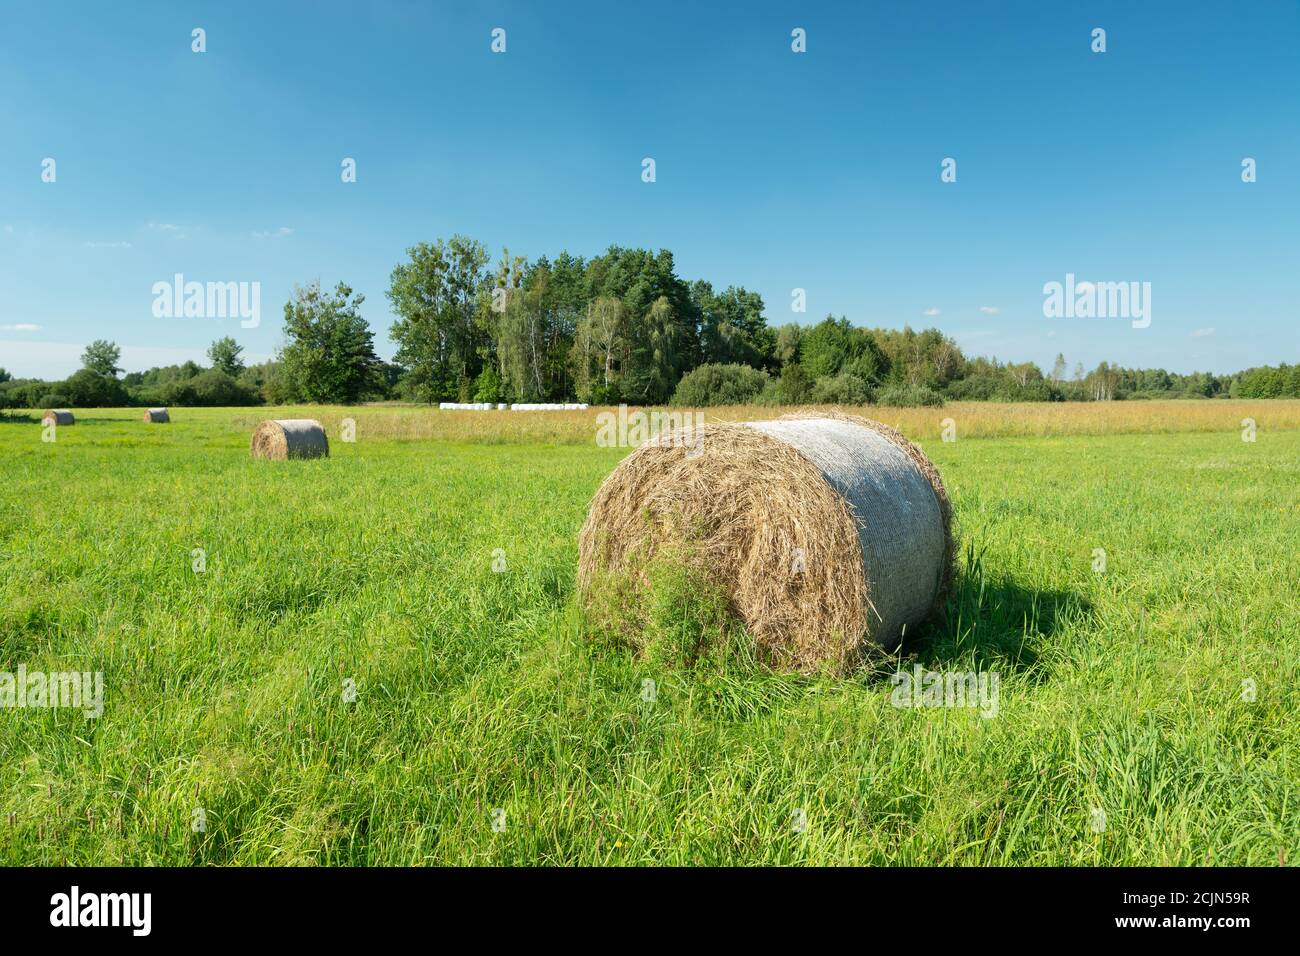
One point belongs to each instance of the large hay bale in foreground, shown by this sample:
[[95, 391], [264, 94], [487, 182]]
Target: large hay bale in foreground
[[828, 534], [57, 416], [158, 415], [290, 438]]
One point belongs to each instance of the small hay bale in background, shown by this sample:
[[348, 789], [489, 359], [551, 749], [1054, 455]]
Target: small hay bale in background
[[58, 416], [829, 534], [290, 438], [156, 415]]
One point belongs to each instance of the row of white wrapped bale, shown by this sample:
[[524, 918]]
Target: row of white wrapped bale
[[516, 407]]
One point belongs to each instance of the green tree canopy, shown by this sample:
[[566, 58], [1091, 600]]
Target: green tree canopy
[[102, 356], [732, 326], [440, 296], [90, 389], [329, 356], [720, 385], [225, 355]]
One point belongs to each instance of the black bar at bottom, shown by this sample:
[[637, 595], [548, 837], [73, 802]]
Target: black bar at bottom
[[548, 906]]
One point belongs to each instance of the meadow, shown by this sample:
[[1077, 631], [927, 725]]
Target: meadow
[[377, 658]]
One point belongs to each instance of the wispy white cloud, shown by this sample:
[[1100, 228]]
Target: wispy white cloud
[[282, 231], [930, 312], [168, 229], [108, 245], [20, 327], [990, 309], [1202, 333]]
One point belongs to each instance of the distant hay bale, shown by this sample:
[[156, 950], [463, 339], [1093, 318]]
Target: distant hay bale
[[290, 438], [58, 416], [158, 415], [829, 534]]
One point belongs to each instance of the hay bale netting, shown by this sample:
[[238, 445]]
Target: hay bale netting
[[58, 416], [156, 415], [290, 438], [829, 534]]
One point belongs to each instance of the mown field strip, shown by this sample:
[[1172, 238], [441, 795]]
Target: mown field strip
[[1146, 713]]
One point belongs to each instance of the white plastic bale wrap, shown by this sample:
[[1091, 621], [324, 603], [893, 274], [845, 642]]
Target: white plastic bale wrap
[[157, 415], [900, 524]]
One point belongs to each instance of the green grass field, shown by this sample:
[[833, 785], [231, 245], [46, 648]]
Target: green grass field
[[478, 691]]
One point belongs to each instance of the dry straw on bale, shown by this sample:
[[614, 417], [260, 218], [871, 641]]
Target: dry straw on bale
[[156, 415], [829, 534], [290, 438], [58, 416]]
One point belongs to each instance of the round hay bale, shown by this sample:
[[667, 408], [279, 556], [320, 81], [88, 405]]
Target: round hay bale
[[829, 534], [156, 415], [290, 438], [58, 416]]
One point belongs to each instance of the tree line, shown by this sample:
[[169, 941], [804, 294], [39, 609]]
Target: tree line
[[618, 327]]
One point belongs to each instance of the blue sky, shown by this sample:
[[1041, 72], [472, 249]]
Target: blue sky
[[775, 170]]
